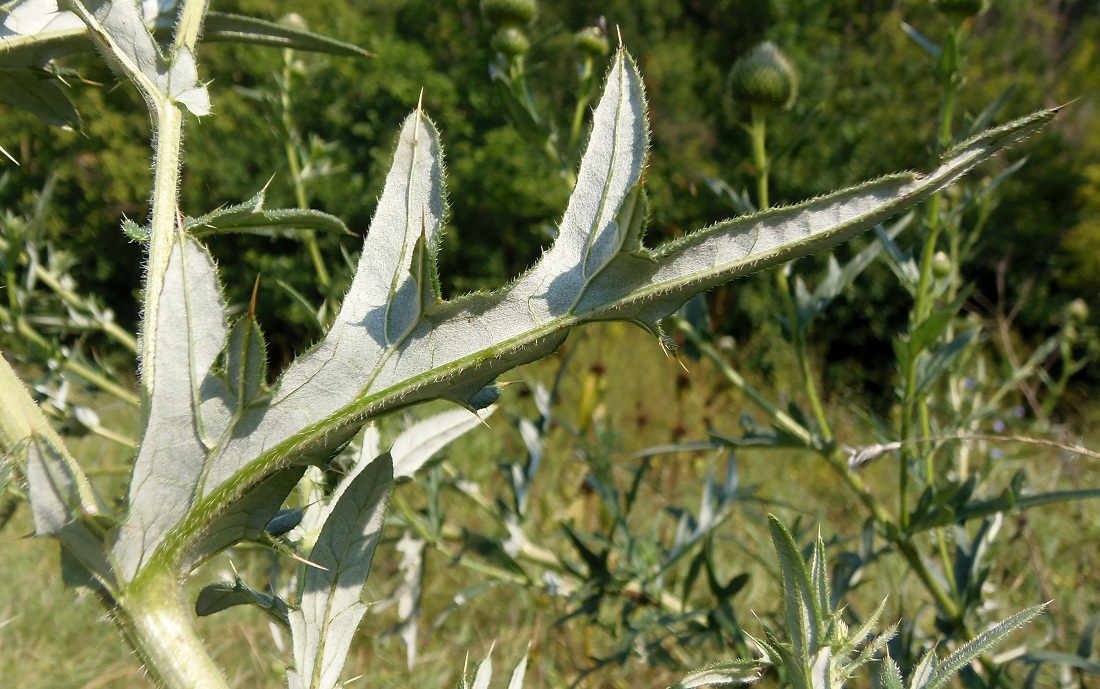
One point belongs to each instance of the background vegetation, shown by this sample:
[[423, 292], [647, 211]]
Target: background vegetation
[[868, 104]]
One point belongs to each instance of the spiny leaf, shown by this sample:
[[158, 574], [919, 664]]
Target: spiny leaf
[[330, 609], [962, 657], [722, 673], [39, 92], [800, 606], [891, 675], [168, 471], [381, 308], [248, 517], [251, 217], [246, 362], [33, 32], [393, 344], [119, 30], [226, 27]]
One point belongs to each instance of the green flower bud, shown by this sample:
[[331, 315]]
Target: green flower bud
[[764, 77], [941, 265], [592, 42], [1077, 311], [961, 9], [509, 12], [510, 42]]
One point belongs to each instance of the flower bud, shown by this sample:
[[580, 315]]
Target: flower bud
[[592, 42], [510, 42], [764, 77], [941, 265], [502, 13], [960, 9]]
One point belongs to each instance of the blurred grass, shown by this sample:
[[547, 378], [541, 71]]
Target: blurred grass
[[51, 637]]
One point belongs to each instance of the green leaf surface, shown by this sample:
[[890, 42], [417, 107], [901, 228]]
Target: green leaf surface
[[248, 517], [329, 608], [39, 92], [222, 595], [226, 27], [945, 670], [251, 217]]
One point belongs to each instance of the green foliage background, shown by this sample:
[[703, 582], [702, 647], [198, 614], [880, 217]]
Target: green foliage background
[[867, 105]]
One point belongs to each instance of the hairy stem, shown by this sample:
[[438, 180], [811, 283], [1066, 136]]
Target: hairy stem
[[159, 626]]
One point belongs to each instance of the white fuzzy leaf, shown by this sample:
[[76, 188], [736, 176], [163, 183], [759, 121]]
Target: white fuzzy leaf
[[191, 331], [520, 671], [419, 443], [484, 672], [386, 300], [181, 84], [51, 488], [394, 344], [330, 608], [722, 673], [121, 30]]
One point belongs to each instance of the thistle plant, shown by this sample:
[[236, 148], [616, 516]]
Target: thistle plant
[[220, 450]]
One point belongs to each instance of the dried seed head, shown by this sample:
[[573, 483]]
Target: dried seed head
[[764, 77], [961, 9], [591, 41], [509, 12], [510, 42]]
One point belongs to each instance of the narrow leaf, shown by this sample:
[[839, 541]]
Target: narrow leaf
[[484, 672], [248, 518], [723, 673], [800, 608], [251, 217], [979, 645], [383, 304], [222, 595], [246, 362], [191, 331], [590, 234], [39, 92], [421, 441], [222, 26], [520, 671], [930, 368], [330, 609]]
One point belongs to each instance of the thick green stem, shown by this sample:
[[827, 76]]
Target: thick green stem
[[160, 627]]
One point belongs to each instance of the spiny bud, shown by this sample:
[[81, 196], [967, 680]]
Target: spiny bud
[[510, 42], [960, 9], [764, 77], [509, 12], [941, 265], [592, 42]]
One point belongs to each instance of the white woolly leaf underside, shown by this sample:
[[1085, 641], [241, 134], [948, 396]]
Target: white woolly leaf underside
[[395, 342]]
